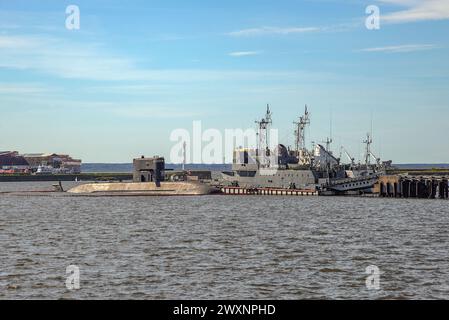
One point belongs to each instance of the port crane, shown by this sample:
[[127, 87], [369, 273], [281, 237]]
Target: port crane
[[343, 150], [376, 159]]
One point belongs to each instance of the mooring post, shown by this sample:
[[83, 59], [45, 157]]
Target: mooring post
[[429, 184], [441, 189], [431, 188], [397, 190], [446, 189], [418, 187], [434, 189], [413, 189], [424, 189], [406, 188]]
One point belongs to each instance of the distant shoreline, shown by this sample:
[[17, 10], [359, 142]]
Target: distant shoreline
[[128, 167], [109, 176], [123, 172]]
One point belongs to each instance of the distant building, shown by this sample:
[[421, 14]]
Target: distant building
[[60, 162], [12, 160]]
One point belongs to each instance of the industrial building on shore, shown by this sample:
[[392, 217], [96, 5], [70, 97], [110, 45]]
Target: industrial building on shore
[[39, 163]]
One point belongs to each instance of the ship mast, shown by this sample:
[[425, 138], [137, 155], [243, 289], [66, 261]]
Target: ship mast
[[329, 140], [263, 143], [300, 133], [328, 143], [368, 143]]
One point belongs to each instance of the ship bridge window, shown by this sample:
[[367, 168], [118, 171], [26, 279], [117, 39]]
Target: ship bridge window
[[247, 173]]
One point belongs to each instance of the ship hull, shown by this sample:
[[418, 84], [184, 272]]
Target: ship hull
[[282, 179]]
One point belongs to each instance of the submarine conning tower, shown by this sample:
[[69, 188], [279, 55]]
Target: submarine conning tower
[[149, 169]]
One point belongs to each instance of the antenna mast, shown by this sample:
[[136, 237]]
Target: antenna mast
[[328, 145], [263, 143], [330, 140], [184, 145], [300, 132], [368, 143]]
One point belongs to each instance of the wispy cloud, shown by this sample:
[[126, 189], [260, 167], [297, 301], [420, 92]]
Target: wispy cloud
[[244, 53], [401, 48], [262, 31], [153, 111], [69, 60], [417, 10], [21, 89], [17, 42]]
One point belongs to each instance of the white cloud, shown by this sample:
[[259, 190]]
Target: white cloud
[[417, 10], [244, 53], [272, 31], [401, 48]]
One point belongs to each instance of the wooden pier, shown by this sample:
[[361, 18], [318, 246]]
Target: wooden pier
[[424, 187]]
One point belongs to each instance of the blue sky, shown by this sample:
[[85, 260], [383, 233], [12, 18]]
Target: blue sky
[[136, 70]]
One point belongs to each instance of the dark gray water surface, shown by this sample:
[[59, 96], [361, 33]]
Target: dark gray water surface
[[221, 247]]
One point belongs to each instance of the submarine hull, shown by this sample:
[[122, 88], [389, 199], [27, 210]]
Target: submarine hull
[[142, 189]]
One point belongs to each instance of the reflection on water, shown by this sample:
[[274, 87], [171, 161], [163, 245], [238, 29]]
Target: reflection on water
[[221, 247]]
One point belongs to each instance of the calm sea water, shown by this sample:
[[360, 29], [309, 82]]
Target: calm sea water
[[220, 247]]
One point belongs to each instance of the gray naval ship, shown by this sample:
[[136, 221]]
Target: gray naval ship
[[299, 168]]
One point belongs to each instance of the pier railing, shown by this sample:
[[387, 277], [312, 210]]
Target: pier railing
[[268, 191]]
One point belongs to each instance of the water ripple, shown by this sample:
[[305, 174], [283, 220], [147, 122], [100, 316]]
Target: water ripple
[[218, 247]]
